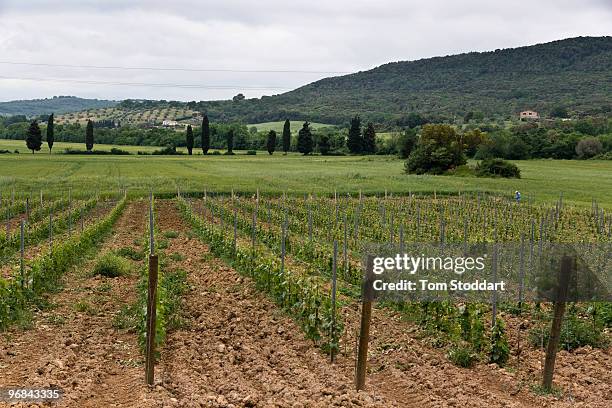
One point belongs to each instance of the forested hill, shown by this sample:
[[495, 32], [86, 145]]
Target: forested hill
[[575, 73], [56, 104]]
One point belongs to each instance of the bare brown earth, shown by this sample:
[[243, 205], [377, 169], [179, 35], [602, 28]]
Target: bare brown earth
[[237, 349]]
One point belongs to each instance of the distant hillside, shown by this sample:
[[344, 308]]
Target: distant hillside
[[134, 115], [574, 73], [57, 104]]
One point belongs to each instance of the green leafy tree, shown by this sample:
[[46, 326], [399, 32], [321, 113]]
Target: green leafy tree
[[50, 133], [271, 142], [324, 145], [438, 150], [34, 137], [355, 141], [286, 136], [89, 136], [189, 139], [230, 141], [205, 135], [588, 147], [559, 111], [472, 139], [304, 144], [369, 139]]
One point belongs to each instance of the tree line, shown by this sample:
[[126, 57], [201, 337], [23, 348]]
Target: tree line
[[560, 139]]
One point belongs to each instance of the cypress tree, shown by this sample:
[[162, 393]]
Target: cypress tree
[[324, 145], [50, 133], [205, 135], [89, 136], [304, 145], [355, 142], [230, 141], [271, 144], [34, 137], [408, 141], [369, 139], [286, 136], [189, 139]]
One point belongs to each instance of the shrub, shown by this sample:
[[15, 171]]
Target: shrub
[[171, 234], [576, 332], [438, 150], [111, 266], [462, 356], [251, 152], [588, 147], [500, 351], [216, 153], [117, 151], [167, 151], [130, 253], [603, 156], [497, 168]]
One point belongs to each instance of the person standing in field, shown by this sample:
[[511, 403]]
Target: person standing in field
[[517, 196]]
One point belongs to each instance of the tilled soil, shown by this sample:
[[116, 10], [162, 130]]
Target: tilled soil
[[74, 346], [238, 349], [410, 372]]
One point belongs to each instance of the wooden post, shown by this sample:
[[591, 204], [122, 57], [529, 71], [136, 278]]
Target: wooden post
[[309, 223], [345, 249], [521, 273], [567, 263], [283, 233], [235, 228], [356, 219], [494, 294], [254, 226], [151, 320], [70, 213], [332, 351], [151, 227], [364, 333], [22, 255], [51, 230]]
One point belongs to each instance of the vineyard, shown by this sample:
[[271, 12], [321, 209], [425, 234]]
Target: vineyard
[[235, 299]]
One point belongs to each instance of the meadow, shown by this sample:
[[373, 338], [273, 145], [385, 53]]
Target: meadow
[[542, 180]]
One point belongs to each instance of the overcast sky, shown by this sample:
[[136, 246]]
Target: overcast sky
[[290, 35]]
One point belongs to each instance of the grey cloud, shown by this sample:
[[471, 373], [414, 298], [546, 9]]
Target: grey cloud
[[329, 35]]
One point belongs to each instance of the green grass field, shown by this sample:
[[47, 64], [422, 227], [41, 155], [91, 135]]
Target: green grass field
[[59, 147], [543, 180], [278, 126]]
